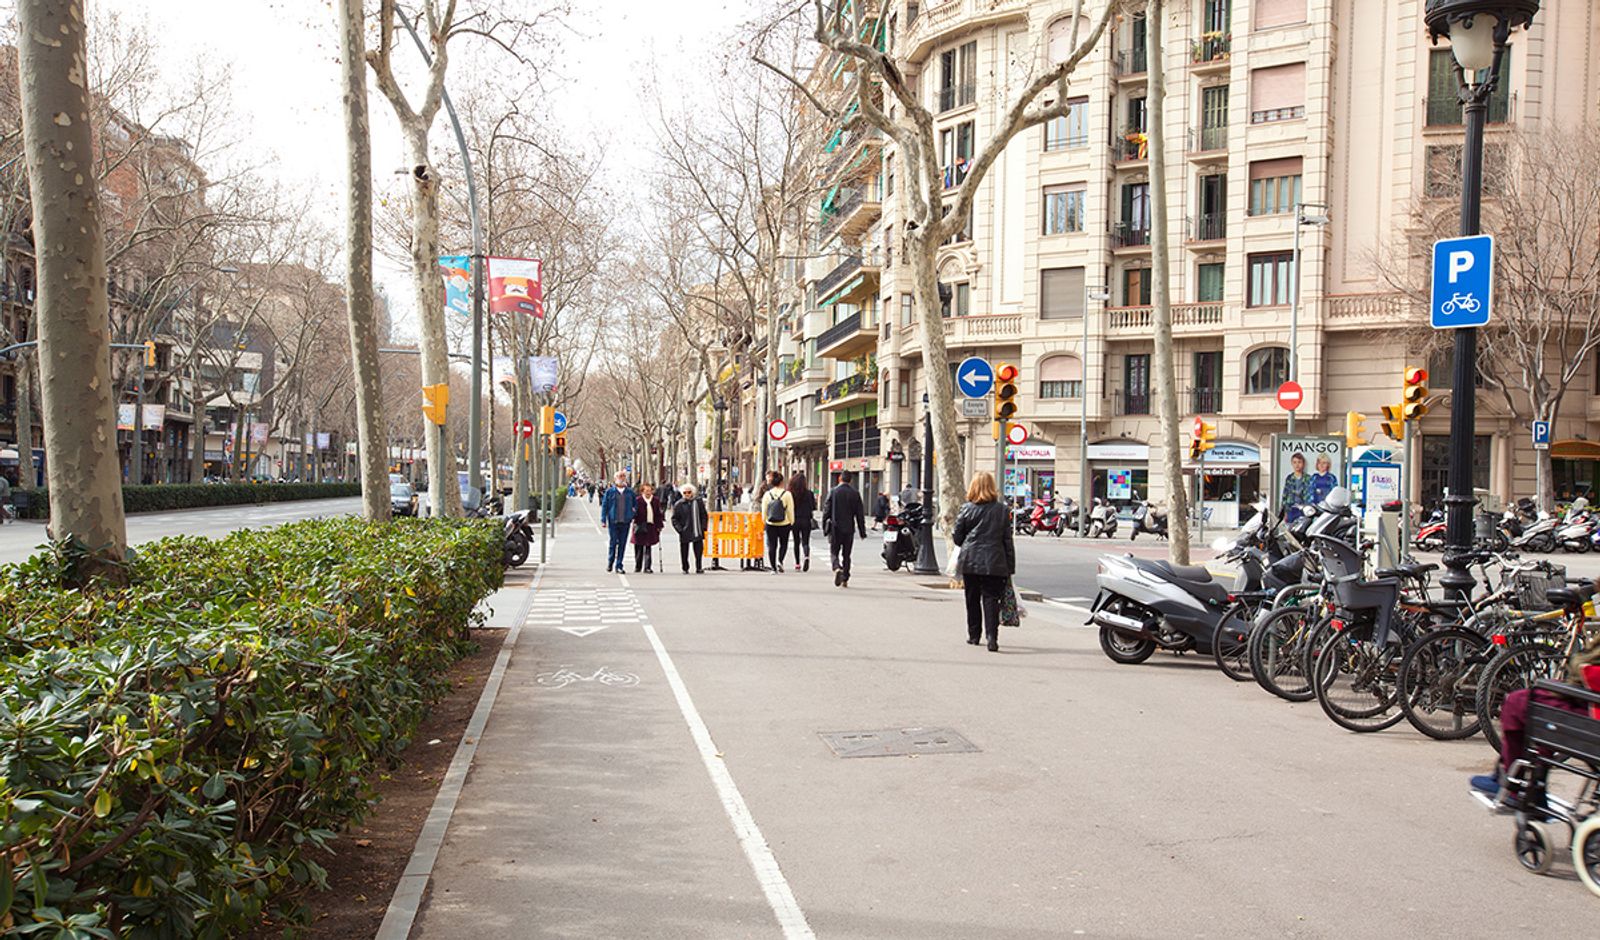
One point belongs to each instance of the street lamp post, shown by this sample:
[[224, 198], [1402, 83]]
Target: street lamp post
[[1301, 220], [927, 560], [1478, 31]]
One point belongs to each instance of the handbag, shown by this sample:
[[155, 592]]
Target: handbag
[[952, 567], [1010, 612]]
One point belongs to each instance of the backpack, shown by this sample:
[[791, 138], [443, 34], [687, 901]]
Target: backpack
[[775, 511]]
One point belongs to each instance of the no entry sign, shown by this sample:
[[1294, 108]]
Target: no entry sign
[[525, 428], [1290, 395]]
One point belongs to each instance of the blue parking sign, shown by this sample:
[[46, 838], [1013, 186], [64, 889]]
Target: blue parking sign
[[1541, 435], [1463, 281]]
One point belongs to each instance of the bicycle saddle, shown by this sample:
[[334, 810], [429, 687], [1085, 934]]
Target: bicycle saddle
[[1564, 598], [1414, 572]]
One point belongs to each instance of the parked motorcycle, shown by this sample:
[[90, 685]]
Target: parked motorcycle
[[1430, 534], [1147, 518], [1048, 517], [1102, 519], [1576, 530], [518, 530], [1537, 536], [900, 535]]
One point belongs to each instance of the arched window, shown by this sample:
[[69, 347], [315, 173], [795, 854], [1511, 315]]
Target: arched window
[[1265, 369], [1061, 377], [1059, 40]]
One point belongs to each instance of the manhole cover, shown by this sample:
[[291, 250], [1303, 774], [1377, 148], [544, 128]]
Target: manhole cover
[[897, 742]]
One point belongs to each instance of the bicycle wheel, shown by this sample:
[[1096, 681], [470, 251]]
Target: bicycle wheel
[[1517, 667], [1354, 679], [1230, 644], [1275, 653], [1439, 676]]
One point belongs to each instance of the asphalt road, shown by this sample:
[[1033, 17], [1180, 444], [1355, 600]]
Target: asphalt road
[[655, 766], [20, 539]]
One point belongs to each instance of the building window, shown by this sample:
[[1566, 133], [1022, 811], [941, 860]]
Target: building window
[[1271, 279], [1271, 13], [1136, 388], [958, 76], [1209, 282], [1444, 105], [905, 388], [1136, 287], [1274, 186], [1207, 393], [1211, 223], [1214, 118], [905, 309], [1138, 116], [1061, 377], [1278, 93], [855, 432], [1063, 209], [1071, 131], [1265, 369], [888, 175], [955, 300], [955, 152], [1061, 293]]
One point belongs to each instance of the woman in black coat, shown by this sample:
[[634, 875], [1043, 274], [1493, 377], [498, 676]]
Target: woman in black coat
[[805, 511], [988, 557]]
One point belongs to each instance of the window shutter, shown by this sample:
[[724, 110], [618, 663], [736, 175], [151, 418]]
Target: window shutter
[[1061, 293], [1270, 169], [1061, 369], [1277, 87], [1270, 13]]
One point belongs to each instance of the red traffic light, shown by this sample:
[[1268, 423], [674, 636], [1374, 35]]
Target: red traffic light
[[1006, 373], [1416, 375]]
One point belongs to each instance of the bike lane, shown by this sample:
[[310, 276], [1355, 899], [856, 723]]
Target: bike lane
[[588, 810]]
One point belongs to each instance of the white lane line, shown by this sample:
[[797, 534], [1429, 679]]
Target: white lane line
[[1071, 599], [401, 914], [791, 919]]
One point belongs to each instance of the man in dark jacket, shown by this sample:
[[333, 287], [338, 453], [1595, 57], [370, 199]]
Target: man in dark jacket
[[616, 513], [842, 517], [689, 520]]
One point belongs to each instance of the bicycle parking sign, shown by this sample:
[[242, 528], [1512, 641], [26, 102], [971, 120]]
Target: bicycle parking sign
[[1463, 281]]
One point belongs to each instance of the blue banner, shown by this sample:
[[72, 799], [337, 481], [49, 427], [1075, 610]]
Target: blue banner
[[457, 271]]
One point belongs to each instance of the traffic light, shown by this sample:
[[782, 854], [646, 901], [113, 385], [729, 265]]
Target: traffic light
[[1394, 422], [150, 353], [547, 419], [435, 400], [1205, 438], [1355, 425], [1005, 397], [561, 445], [1414, 395]]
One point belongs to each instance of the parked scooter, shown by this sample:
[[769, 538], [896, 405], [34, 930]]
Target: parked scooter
[[1146, 518], [518, 529], [1430, 534], [1537, 536], [900, 535], [1102, 519], [1048, 517], [1577, 528]]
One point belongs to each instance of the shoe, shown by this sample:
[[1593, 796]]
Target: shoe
[[608, 569], [1486, 783], [686, 571], [838, 578], [806, 566], [973, 641], [699, 571], [994, 647], [797, 566]]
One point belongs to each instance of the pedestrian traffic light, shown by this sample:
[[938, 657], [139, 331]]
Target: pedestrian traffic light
[[150, 353], [1394, 422], [547, 419], [435, 399], [1414, 395], [561, 445], [1355, 425]]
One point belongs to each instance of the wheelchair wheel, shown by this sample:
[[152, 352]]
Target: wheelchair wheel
[[1439, 677], [1586, 853], [1535, 845]]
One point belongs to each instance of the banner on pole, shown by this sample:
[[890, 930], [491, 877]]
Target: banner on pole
[[323, 439], [515, 286], [544, 371], [457, 271]]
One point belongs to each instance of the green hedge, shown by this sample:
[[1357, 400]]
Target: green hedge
[[166, 496], [559, 499], [169, 750]]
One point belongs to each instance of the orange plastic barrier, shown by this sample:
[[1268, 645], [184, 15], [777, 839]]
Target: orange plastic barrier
[[736, 535]]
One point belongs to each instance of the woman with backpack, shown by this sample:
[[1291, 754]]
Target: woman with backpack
[[777, 511], [805, 510], [647, 523], [988, 557]]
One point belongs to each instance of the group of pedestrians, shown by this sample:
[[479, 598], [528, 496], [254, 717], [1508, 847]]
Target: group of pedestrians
[[638, 516]]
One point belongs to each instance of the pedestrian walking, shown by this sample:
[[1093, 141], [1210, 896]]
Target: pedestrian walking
[[842, 517], [647, 522], [880, 510], [669, 497], [805, 511], [5, 499], [616, 513], [907, 497], [777, 511], [988, 557], [689, 520]]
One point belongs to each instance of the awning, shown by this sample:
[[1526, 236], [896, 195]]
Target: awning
[[833, 298], [1575, 450]]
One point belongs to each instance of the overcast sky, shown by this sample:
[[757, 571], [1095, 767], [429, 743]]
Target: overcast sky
[[282, 55]]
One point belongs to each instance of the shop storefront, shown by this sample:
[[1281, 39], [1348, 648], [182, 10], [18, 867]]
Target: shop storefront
[[1228, 482], [1031, 471], [1120, 472], [1575, 469]]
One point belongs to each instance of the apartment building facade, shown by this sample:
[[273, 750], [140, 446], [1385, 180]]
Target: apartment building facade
[[1271, 105]]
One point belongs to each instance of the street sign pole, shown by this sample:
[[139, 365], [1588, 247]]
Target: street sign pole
[[1405, 487]]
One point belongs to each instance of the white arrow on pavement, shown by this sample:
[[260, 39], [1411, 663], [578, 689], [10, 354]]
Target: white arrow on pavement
[[582, 631]]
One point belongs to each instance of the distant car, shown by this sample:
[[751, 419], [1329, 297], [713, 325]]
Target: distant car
[[402, 499]]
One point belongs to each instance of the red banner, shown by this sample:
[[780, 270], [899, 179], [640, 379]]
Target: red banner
[[515, 286]]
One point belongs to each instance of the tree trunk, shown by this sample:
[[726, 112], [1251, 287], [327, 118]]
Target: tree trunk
[[930, 321], [521, 381], [24, 420], [1161, 293], [443, 492], [197, 435], [74, 320], [373, 454]]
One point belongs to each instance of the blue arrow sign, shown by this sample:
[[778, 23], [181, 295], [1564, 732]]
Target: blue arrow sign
[[975, 377], [1463, 281], [559, 423]]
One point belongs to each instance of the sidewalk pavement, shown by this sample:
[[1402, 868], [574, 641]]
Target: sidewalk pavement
[[654, 766]]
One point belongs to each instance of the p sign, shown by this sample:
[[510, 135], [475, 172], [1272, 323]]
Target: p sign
[[1541, 435], [1463, 281]]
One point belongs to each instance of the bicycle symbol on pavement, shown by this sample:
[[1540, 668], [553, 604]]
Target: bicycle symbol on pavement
[[566, 676], [1466, 303]]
